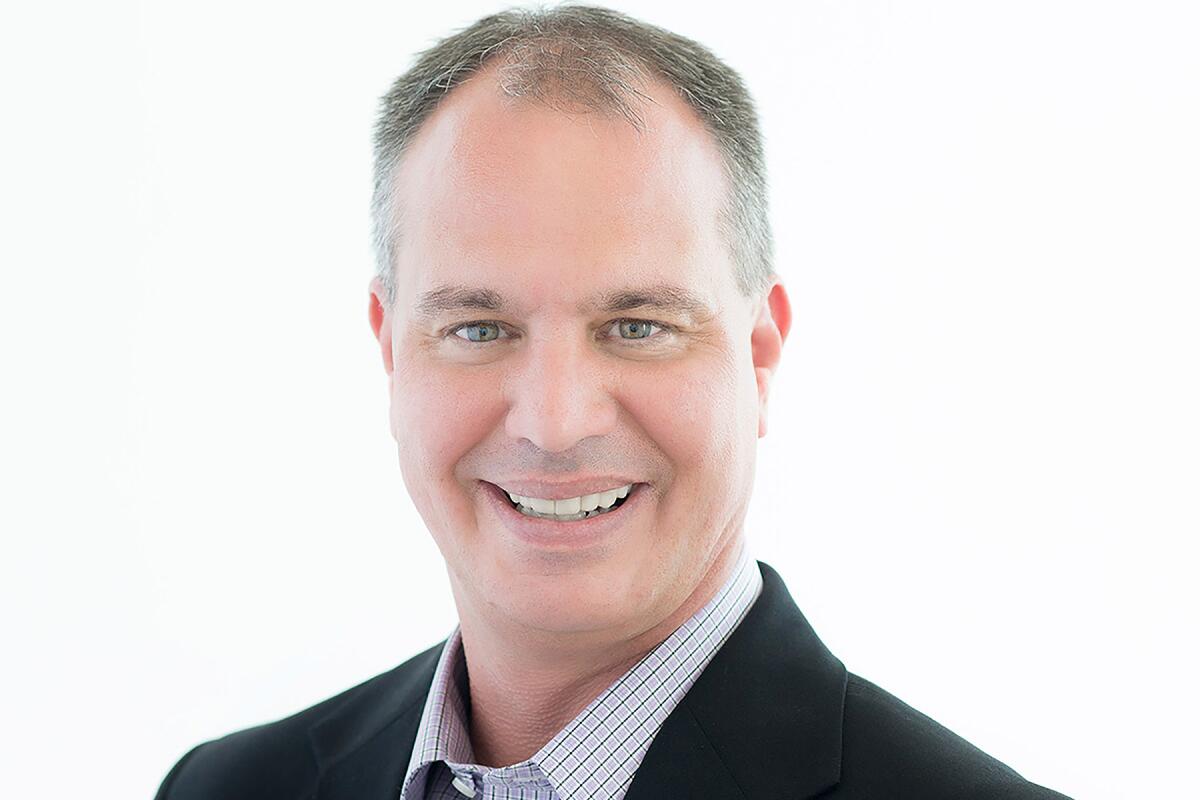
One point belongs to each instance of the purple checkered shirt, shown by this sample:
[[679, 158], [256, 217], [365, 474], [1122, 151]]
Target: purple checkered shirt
[[597, 753]]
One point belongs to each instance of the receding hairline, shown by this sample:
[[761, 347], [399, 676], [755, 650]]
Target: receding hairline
[[469, 134], [585, 59]]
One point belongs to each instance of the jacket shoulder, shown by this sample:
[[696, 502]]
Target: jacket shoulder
[[275, 759], [889, 749]]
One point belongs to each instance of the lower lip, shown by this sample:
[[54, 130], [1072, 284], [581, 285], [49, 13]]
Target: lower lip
[[577, 534]]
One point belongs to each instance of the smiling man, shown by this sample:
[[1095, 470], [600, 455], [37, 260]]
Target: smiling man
[[579, 321]]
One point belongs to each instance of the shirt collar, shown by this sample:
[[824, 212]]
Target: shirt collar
[[579, 761]]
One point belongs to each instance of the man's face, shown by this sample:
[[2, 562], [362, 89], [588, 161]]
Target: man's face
[[567, 323]]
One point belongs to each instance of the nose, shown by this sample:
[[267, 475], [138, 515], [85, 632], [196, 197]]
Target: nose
[[559, 394]]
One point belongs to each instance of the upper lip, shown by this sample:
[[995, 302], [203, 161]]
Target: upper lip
[[562, 490]]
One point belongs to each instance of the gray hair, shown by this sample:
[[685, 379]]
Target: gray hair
[[585, 58]]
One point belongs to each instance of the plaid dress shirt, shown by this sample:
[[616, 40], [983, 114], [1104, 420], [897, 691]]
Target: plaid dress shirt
[[597, 753]]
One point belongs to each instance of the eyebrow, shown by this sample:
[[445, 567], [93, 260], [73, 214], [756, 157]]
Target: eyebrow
[[455, 298], [661, 297]]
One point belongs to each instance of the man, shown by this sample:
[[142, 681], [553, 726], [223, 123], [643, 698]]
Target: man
[[579, 321]]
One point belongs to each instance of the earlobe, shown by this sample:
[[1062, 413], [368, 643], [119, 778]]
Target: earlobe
[[380, 318]]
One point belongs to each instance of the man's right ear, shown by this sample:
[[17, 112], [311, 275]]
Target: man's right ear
[[380, 315]]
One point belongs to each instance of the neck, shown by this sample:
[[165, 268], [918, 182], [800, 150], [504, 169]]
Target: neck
[[526, 686]]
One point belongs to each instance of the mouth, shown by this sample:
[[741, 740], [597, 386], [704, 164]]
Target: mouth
[[578, 519], [571, 509]]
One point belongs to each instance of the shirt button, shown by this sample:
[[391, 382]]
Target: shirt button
[[464, 784]]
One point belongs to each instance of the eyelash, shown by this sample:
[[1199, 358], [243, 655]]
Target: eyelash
[[661, 326]]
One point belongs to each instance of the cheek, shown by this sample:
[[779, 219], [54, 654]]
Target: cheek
[[695, 413], [437, 416]]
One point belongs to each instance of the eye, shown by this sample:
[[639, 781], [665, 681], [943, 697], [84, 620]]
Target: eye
[[479, 331], [636, 328]]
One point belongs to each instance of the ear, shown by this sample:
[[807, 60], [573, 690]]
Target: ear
[[774, 320], [380, 315]]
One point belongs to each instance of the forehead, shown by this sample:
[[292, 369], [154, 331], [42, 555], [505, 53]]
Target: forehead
[[492, 184]]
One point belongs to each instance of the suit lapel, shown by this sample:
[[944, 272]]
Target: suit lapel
[[763, 720], [363, 747]]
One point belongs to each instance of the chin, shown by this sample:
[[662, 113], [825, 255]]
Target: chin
[[570, 601]]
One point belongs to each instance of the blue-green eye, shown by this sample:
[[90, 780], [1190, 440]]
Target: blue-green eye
[[478, 332], [636, 328]]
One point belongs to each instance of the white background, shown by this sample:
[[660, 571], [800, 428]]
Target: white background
[[980, 481]]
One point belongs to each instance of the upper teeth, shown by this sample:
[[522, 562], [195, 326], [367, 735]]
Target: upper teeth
[[573, 505]]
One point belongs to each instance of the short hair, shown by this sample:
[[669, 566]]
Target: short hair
[[571, 58]]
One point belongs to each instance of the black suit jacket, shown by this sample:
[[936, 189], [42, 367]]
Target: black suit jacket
[[774, 715]]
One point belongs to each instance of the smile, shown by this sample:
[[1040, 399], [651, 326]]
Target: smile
[[579, 531], [570, 509]]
